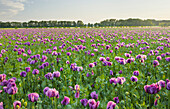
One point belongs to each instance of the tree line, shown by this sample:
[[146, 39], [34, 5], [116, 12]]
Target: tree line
[[79, 23]]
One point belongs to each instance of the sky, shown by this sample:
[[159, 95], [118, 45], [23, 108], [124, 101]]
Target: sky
[[89, 11]]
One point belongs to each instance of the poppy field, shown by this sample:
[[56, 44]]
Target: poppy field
[[85, 68]]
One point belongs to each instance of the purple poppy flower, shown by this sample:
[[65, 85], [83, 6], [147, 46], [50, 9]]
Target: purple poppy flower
[[167, 59], [33, 97], [35, 71], [91, 65], [65, 101], [136, 73], [111, 72], [121, 80], [152, 89], [109, 63], [11, 84], [4, 83], [77, 87], [138, 56], [120, 72], [23, 74], [17, 104], [68, 53], [93, 104], [163, 55], [159, 58], [130, 52], [2, 77], [88, 75], [167, 80], [61, 69], [56, 74], [156, 102], [123, 61], [49, 76], [161, 83], [155, 63], [84, 102], [12, 90], [107, 58], [127, 54], [67, 62], [27, 69], [113, 80], [116, 47], [94, 95], [52, 93], [102, 59], [111, 105], [168, 86], [45, 90], [128, 60], [1, 105], [134, 79], [19, 59], [116, 99], [92, 54], [77, 94]]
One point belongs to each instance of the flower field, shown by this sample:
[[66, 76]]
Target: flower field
[[85, 68]]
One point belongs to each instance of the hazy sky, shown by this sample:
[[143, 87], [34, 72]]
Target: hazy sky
[[85, 10]]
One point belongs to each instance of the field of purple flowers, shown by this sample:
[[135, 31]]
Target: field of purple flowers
[[104, 68]]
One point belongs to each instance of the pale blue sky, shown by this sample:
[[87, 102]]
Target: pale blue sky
[[85, 10]]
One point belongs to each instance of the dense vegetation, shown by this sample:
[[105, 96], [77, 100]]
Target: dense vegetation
[[82, 68], [79, 23]]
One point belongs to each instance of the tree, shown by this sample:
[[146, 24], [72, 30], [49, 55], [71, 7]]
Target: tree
[[80, 23]]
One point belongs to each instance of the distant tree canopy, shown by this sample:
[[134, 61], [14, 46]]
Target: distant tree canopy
[[79, 23]]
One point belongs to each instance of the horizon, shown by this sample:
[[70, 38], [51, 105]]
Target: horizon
[[89, 11]]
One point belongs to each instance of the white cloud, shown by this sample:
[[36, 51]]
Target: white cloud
[[10, 8]]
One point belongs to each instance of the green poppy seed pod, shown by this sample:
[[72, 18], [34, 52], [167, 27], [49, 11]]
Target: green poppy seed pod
[[129, 100], [39, 102], [22, 101], [127, 93], [20, 84], [25, 104], [116, 90], [10, 74], [157, 96], [141, 83], [122, 102], [17, 107], [134, 96]]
